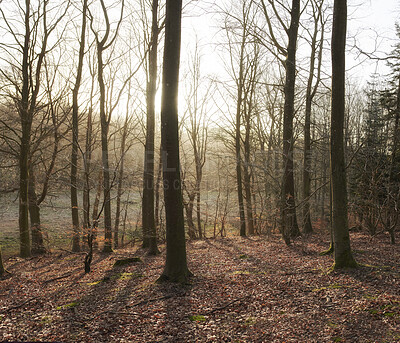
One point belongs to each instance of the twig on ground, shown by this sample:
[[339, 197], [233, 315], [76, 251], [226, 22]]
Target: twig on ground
[[19, 305], [150, 300], [57, 278]]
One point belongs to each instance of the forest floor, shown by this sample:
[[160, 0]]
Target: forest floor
[[244, 290]]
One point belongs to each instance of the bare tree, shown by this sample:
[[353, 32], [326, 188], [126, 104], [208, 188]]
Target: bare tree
[[237, 29], [343, 255], [103, 44], [75, 133], [32, 47], [176, 269], [312, 87], [290, 226], [148, 219], [123, 150], [195, 123]]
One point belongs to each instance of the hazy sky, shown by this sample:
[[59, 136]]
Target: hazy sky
[[371, 27]]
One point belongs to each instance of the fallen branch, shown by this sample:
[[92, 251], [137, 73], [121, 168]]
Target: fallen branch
[[19, 305], [58, 278], [133, 305], [150, 300]]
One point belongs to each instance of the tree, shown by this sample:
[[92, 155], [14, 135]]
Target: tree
[[176, 269], [75, 134], [120, 179], [341, 238], [290, 226], [148, 219], [239, 25], [315, 59], [392, 101], [369, 170], [32, 46], [103, 44], [239, 82], [2, 269], [195, 123]]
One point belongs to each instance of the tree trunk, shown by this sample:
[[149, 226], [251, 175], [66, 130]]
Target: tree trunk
[[199, 175], [26, 124], [75, 136], [249, 202], [307, 154], [157, 192], [148, 220], [393, 187], [34, 213], [290, 227], [310, 94], [189, 216], [239, 182], [95, 213], [120, 179], [2, 269], [25, 240], [343, 254], [86, 165], [198, 211], [104, 121], [176, 269]]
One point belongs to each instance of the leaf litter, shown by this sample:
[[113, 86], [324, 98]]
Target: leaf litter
[[252, 289]]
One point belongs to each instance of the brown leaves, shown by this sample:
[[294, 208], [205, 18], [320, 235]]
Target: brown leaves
[[245, 289]]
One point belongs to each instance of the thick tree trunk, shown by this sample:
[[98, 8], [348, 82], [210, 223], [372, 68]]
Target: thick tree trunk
[[290, 227], [176, 269], [249, 202], [34, 213], [107, 248], [148, 220], [25, 239], [2, 269], [343, 254]]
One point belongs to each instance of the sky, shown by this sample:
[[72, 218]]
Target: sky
[[371, 27]]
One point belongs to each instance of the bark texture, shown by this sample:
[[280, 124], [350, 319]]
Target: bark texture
[[176, 269], [148, 220], [342, 250], [290, 228]]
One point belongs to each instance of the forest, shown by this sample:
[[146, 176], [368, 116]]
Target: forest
[[198, 171]]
